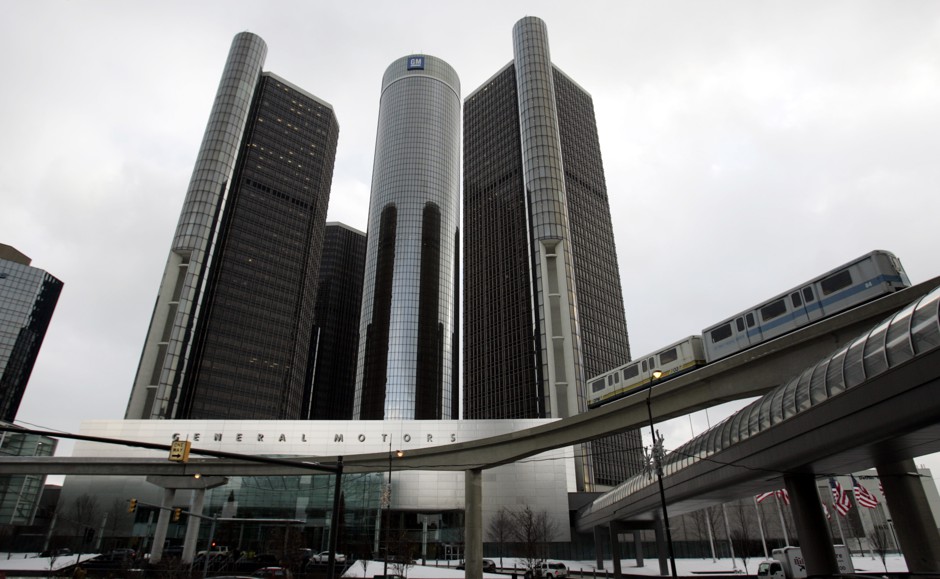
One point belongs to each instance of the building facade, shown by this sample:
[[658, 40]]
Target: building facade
[[232, 330], [408, 327], [543, 303], [28, 297], [336, 328]]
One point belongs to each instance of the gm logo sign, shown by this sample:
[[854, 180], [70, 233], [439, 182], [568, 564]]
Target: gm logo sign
[[415, 63]]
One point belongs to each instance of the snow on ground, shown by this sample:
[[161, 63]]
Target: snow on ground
[[684, 567], [30, 562]]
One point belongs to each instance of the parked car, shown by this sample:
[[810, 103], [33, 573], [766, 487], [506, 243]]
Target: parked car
[[489, 566], [273, 573], [324, 557], [546, 569]]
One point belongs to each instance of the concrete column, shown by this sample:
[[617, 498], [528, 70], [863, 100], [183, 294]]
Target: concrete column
[[811, 526], [615, 548], [661, 547], [916, 530], [599, 547], [473, 515], [192, 526], [638, 547], [163, 520]]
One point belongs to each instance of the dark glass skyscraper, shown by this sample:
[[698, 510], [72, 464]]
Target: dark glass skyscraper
[[28, 297], [336, 316], [408, 328], [231, 333], [543, 305]]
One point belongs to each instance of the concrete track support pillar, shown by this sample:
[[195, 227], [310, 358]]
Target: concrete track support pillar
[[192, 527], [661, 547], [638, 547], [811, 526], [615, 555], [916, 530], [473, 539], [599, 547], [163, 521]]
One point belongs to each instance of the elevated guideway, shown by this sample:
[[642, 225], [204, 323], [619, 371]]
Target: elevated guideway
[[744, 375]]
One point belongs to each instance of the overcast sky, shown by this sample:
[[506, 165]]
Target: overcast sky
[[748, 146]]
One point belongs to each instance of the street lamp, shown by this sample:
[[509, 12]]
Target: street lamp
[[656, 454], [387, 499]]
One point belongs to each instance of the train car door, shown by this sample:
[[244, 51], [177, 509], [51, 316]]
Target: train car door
[[798, 309], [743, 331]]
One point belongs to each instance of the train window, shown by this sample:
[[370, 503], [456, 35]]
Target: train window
[[669, 356], [808, 294], [834, 283], [616, 376], [610, 380], [750, 320], [631, 372], [795, 299], [773, 310], [740, 324], [597, 385], [644, 366], [720, 333]]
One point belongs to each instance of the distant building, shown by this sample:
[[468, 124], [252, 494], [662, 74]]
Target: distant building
[[231, 332], [28, 297], [543, 304], [336, 329], [408, 328]]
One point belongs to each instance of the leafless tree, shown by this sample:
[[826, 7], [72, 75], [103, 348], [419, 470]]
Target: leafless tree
[[880, 540], [533, 531], [500, 530], [741, 531]]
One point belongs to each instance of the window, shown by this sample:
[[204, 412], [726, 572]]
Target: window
[[631, 372], [808, 294], [720, 333], [668, 356], [773, 310], [834, 283], [750, 320], [597, 386], [795, 299], [739, 323]]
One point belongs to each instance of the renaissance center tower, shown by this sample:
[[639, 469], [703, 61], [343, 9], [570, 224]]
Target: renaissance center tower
[[407, 365]]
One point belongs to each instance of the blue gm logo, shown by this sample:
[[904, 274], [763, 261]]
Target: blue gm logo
[[415, 63]]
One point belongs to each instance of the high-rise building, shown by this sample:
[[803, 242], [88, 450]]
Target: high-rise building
[[408, 328], [543, 306], [231, 332], [336, 328], [28, 297]]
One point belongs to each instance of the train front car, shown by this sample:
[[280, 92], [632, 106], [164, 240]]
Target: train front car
[[861, 280]]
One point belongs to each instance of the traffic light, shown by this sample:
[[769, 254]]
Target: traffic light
[[176, 514], [132, 506]]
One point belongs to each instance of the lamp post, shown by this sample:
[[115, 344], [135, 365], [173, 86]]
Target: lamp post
[[656, 453], [387, 499]]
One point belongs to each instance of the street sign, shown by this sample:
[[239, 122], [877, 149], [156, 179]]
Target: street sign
[[179, 450]]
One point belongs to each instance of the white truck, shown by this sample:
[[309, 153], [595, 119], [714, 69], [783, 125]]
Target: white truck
[[788, 563]]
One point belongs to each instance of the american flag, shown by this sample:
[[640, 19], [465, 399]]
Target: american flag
[[763, 496], [783, 495], [862, 496], [826, 511], [840, 500]]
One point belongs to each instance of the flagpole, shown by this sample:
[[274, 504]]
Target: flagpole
[[711, 539], [839, 514], [760, 525], [724, 513], [783, 522]]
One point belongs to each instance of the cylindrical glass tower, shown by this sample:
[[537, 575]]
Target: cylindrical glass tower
[[408, 330]]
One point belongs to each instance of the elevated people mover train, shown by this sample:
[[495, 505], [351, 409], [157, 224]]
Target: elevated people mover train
[[863, 279]]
